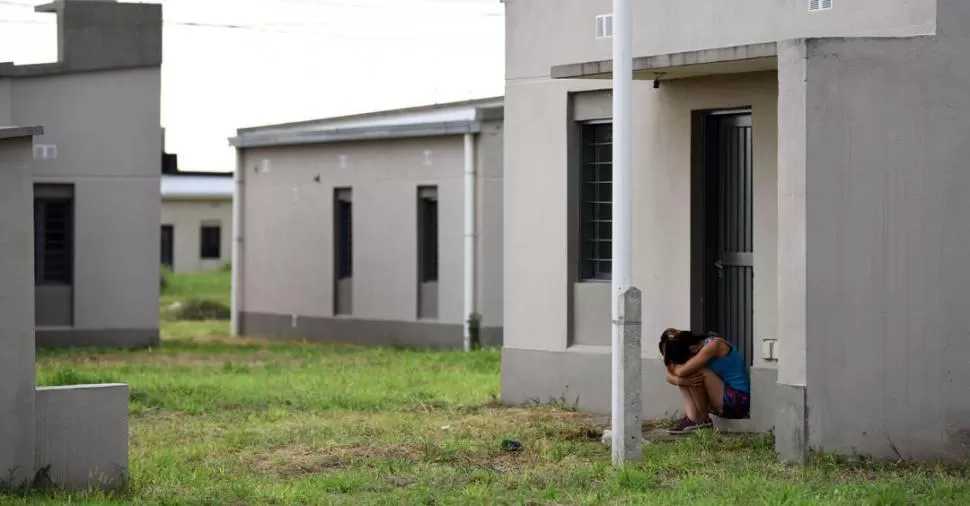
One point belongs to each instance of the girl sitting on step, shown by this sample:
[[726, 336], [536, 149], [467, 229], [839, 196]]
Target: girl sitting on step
[[711, 376]]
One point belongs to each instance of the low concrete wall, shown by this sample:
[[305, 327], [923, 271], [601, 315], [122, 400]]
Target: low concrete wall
[[68, 337], [580, 376], [82, 434], [348, 330]]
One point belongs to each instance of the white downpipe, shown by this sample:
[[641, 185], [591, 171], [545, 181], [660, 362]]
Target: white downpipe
[[622, 179], [469, 302], [237, 228]]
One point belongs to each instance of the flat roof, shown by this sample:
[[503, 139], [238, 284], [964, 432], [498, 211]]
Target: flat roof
[[186, 185], [12, 132], [429, 120]]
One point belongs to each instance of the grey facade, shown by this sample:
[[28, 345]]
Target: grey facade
[[79, 434], [351, 229], [853, 296], [95, 173]]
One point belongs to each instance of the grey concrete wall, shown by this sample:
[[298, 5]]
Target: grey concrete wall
[[187, 217], [98, 34], [106, 129], [490, 152], [533, 44], [5, 86], [288, 268], [16, 312], [82, 434], [887, 236]]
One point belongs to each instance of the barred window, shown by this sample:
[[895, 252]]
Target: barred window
[[54, 240], [596, 202]]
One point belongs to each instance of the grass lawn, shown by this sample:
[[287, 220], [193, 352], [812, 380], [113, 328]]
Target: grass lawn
[[216, 420]]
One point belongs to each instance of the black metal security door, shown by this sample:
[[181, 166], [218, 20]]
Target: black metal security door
[[732, 227]]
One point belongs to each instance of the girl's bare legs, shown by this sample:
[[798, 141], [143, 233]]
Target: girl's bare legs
[[703, 399]]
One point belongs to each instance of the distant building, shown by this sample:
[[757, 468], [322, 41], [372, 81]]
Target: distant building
[[196, 231], [382, 228], [95, 172]]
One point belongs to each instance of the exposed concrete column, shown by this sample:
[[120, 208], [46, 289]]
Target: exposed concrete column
[[17, 423], [628, 443], [791, 431], [236, 293]]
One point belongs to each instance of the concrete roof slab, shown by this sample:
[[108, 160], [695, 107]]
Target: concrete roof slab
[[13, 132], [723, 60]]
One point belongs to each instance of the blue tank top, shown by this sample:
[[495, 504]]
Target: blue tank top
[[731, 369]]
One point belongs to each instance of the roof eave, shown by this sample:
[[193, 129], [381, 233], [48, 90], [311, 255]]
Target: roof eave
[[271, 139]]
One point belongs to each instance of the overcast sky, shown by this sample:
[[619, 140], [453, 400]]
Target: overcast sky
[[269, 61]]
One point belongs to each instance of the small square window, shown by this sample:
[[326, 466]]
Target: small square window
[[211, 242]]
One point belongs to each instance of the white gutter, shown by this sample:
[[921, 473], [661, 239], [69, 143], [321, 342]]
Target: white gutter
[[469, 236], [237, 239], [622, 218]]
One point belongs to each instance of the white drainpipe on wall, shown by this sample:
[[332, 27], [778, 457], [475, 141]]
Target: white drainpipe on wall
[[469, 236], [237, 228]]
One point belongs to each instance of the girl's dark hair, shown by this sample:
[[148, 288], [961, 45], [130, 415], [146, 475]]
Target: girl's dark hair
[[675, 345]]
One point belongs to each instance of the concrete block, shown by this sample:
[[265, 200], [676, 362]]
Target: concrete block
[[627, 436], [791, 424], [82, 435]]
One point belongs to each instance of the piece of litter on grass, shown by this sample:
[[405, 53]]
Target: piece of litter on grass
[[446, 427], [511, 445], [607, 438]]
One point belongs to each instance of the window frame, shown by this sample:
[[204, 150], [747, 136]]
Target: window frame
[[595, 203], [45, 195]]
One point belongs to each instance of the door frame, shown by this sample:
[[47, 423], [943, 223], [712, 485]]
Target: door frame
[[702, 253]]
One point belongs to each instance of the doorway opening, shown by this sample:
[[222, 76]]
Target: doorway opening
[[168, 245], [722, 227]]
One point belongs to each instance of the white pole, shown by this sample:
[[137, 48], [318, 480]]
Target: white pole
[[469, 237], [237, 228], [622, 206]]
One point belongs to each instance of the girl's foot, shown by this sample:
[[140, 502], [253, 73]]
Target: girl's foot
[[686, 426]]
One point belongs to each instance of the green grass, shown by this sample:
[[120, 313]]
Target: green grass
[[218, 420], [205, 285]]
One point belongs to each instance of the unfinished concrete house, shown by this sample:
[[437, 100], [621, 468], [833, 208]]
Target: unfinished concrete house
[[381, 228], [74, 436], [95, 172], [800, 181]]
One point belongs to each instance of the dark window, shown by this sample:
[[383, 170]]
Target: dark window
[[53, 240], [596, 202], [211, 242], [168, 246], [343, 231], [428, 234]]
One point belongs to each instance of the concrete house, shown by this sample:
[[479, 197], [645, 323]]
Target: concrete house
[[799, 184], [196, 231], [95, 171], [74, 436], [380, 228]]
